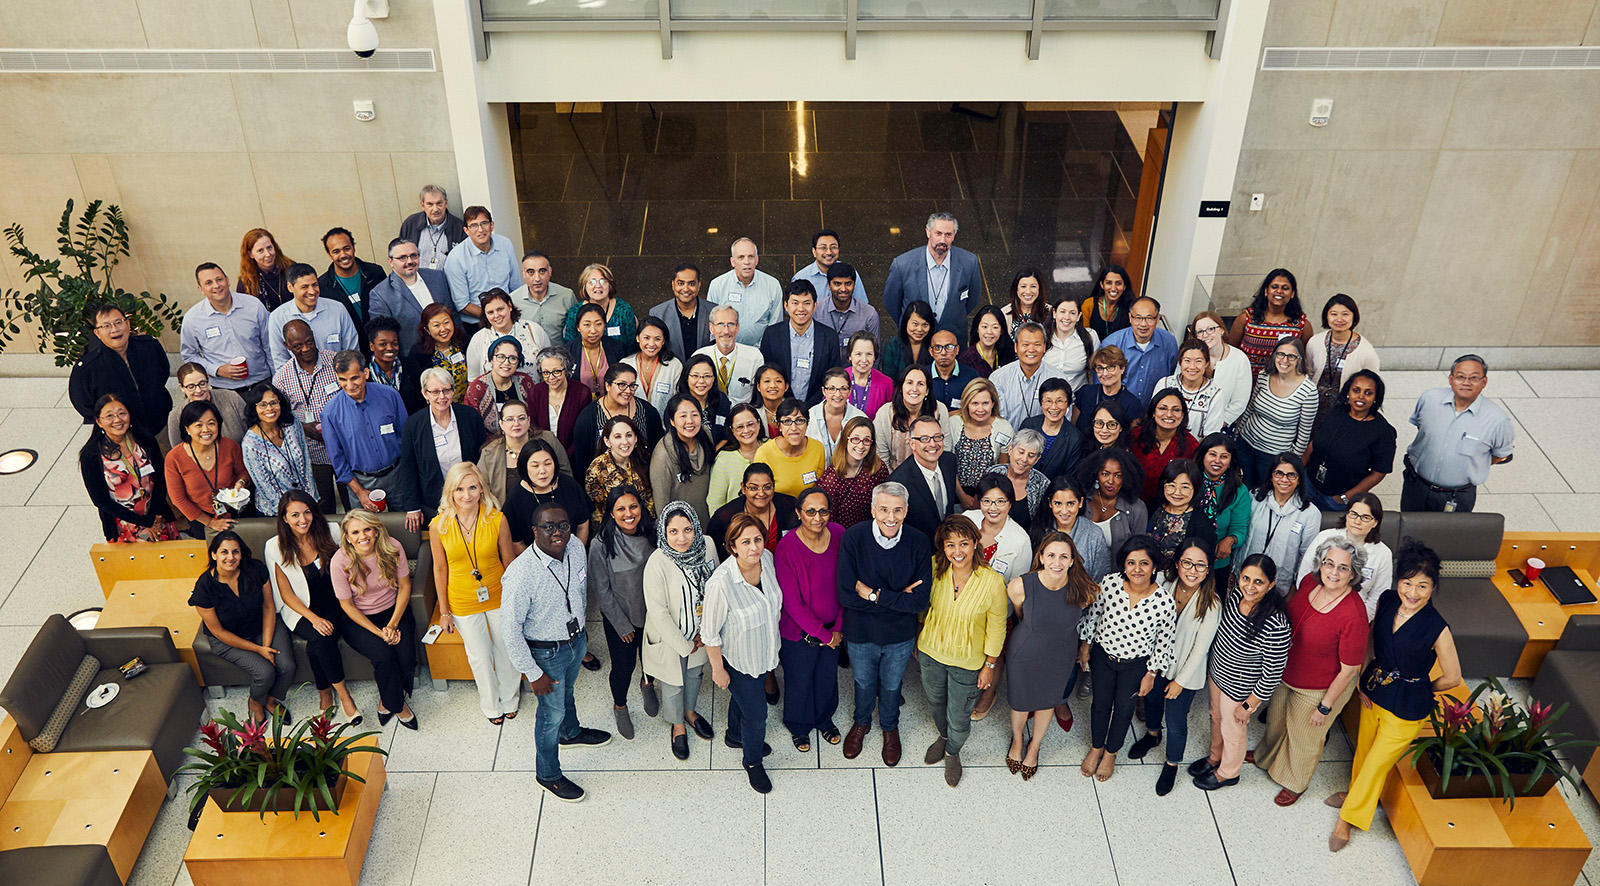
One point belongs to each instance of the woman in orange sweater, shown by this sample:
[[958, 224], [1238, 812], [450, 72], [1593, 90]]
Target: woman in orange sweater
[[203, 464]]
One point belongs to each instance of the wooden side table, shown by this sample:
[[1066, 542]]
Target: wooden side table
[[163, 602], [110, 798], [1542, 617], [230, 848]]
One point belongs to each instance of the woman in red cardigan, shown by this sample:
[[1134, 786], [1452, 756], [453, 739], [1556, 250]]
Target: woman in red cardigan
[[203, 464], [558, 397]]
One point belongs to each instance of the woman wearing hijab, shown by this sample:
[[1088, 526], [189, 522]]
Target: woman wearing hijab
[[674, 591]]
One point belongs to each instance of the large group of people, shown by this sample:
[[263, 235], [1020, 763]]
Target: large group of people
[[1062, 497]]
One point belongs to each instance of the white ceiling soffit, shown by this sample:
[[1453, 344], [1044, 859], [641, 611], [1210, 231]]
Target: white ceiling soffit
[[169, 61], [1433, 58]]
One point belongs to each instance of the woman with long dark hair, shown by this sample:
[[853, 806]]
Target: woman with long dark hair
[[1106, 309], [699, 381], [1163, 437], [1273, 313], [1282, 520], [680, 467], [1029, 302], [235, 602], [299, 562], [912, 398], [911, 346], [1224, 500], [623, 461], [624, 543], [734, 455], [1247, 659], [1049, 603], [274, 450], [1113, 478], [1281, 414], [1071, 343], [988, 345]]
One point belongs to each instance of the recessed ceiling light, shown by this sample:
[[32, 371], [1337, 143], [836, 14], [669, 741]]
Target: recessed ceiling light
[[712, 230], [894, 230], [17, 460]]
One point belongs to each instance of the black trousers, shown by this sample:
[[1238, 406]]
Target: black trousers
[[811, 678], [393, 666], [327, 666], [624, 657], [1417, 495], [1116, 685]]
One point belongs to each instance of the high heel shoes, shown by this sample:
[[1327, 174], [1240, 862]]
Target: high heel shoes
[[1013, 764], [1028, 772]]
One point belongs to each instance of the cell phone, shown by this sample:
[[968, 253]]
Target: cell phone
[[432, 634], [1519, 579]]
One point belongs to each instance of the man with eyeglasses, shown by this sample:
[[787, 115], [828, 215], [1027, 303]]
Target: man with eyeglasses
[[329, 320], [134, 367], [736, 362], [930, 475], [225, 332], [804, 346], [543, 606], [1460, 433], [845, 308], [486, 261], [1018, 382], [950, 376], [1152, 352], [408, 290], [825, 251]]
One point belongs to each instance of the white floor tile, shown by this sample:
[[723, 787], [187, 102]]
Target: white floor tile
[[1564, 431], [1531, 469], [62, 483], [1188, 841], [1572, 512], [22, 533], [1561, 382], [455, 736], [480, 824], [827, 826], [60, 577], [45, 431], [1523, 512], [32, 392], [397, 834]]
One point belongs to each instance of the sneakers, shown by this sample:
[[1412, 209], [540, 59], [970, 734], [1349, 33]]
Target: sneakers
[[563, 789], [587, 738], [758, 778]]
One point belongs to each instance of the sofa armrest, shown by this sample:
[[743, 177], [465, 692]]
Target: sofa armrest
[[1582, 634], [115, 646]]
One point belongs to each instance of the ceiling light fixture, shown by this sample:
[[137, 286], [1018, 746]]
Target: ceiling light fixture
[[17, 460]]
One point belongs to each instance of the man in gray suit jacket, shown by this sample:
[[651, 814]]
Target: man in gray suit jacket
[[397, 295], [941, 274], [686, 309]]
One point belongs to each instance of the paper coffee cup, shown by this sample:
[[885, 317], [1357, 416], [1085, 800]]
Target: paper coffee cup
[[380, 499]]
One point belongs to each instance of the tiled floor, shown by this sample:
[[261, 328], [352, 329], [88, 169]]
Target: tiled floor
[[643, 187], [462, 806]]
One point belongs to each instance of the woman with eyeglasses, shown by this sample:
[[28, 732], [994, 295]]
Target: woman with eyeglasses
[[700, 382], [1224, 500], [442, 344], [1329, 624], [680, 467], [659, 370], [1246, 666], [893, 422], [505, 382], [811, 626], [910, 347], [500, 455], [597, 286], [1109, 365], [1282, 521], [1061, 444], [739, 626], [989, 347], [1194, 591], [626, 541], [623, 461], [1113, 478], [1107, 308], [853, 472], [274, 450], [619, 395], [1362, 519], [1353, 446], [828, 417], [1071, 343], [795, 459], [503, 319], [1273, 314], [1049, 603], [124, 476], [1338, 351], [727, 472], [1004, 546], [980, 435], [1176, 513], [1409, 637], [557, 399], [1192, 379], [1110, 427], [435, 440], [1281, 415], [1230, 369], [869, 388], [195, 386], [1163, 437], [674, 594]]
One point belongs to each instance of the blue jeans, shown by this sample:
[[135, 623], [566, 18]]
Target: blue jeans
[[1176, 712], [1254, 464], [1323, 502], [557, 716], [878, 671]]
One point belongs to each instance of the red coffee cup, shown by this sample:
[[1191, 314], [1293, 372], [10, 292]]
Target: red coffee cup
[[1533, 567], [242, 363], [380, 499]]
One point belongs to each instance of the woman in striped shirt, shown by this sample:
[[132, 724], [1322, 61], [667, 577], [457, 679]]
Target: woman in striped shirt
[[1247, 660], [1281, 412]]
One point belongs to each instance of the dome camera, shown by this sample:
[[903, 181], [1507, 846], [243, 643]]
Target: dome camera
[[362, 36]]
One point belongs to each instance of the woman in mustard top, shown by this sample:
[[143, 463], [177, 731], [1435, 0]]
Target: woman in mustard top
[[795, 459], [962, 635], [471, 546]]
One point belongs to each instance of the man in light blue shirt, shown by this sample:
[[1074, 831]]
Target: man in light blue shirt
[[1460, 433], [329, 321], [843, 306], [825, 249], [1152, 352], [223, 327], [1018, 382], [486, 261], [757, 296]]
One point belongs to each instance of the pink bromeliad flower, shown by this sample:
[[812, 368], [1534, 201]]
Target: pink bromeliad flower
[[213, 734]]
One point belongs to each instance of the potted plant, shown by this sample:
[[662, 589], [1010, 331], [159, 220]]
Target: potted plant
[[261, 768], [59, 307], [1489, 746]]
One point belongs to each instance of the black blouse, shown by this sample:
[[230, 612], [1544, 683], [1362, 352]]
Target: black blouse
[[239, 613], [1407, 654]]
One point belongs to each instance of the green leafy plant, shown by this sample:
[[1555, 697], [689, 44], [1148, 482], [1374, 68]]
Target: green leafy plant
[[1492, 736], [93, 244], [256, 761]]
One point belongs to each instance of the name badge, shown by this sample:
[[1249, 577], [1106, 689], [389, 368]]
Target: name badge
[[613, 330], [955, 402], [386, 428], [147, 470], [808, 477], [663, 388], [720, 420], [735, 297], [483, 594], [458, 357], [355, 298], [964, 295], [803, 363], [1296, 529], [1003, 438], [440, 439], [1366, 573], [333, 338], [331, 388], [433, 263], [213, 332], [1000, 566]]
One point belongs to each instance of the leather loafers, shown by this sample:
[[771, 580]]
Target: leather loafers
[[680, 746], [702, 728], [1201, 767], [1210, 782], [853, 740]]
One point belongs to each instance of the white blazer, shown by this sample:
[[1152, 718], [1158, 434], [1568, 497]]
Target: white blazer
[[664, 386], [1013, 555], [296, 576]]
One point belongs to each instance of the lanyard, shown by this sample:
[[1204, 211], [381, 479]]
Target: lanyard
[[216, 472], [1272, 528], [566, 588], [472, 556]]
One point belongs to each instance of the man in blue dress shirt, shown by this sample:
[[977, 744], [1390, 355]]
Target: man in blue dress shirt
[[756, 295], [486, 261], [361, 427], [1152, 352], [328, 319], [825, 249]]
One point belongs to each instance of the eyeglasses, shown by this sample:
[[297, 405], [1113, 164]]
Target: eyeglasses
[[835, 389], [406, 256], [437, 392], [943, 347], [994, 502], [113, 325], [629, 386], [792, 422], [1285, 475], [552, 373], [816, 512], [752, 487], [859, 441], [197, 386], [554, 528], [1290, 355], [928, 438], [480, 225], [1194, 564], [1106, 424], [1469, 379], [1362, 518], [1144, 318], [506, 358], [1207, 331], [1336, 567]]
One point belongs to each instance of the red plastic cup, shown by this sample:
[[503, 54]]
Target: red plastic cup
[[242, 363], [380, 499], [1533, 568]]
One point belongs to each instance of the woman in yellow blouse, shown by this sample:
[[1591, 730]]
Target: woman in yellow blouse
[[471, 546], [796, 459], [962, 635], [622, 462]]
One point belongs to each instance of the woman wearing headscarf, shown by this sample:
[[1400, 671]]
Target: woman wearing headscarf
[[674, 591]]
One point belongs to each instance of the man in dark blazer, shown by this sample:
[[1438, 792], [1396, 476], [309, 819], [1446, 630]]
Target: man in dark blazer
[[686, 308], [941, 274], [435, 230], [419, 442], [396, 296], [344, 270], [803, 369], [924, 511], [134, 367]]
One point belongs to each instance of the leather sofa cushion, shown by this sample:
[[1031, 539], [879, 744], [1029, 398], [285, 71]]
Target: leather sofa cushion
[[1572, 677], [1488, 635], [75, 865], [134, 719], [43, 675]]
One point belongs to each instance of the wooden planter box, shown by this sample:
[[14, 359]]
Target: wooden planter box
[[230, 848], [1479, 786], [230, 800]]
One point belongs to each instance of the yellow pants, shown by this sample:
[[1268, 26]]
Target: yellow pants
[[1381, 742]]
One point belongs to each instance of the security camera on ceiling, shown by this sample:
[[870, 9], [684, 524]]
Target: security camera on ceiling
[[362, 35]]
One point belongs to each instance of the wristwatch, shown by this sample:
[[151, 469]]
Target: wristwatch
[[873, 596], [1324, 710], [990, 665]]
